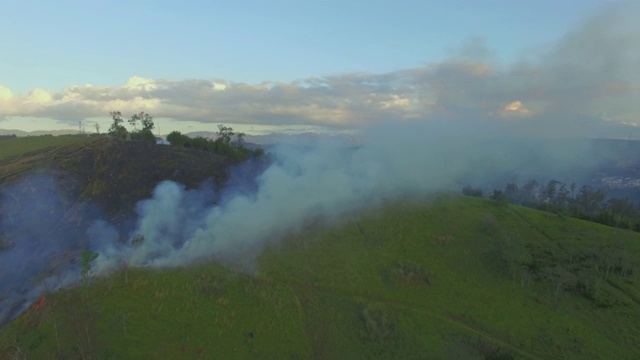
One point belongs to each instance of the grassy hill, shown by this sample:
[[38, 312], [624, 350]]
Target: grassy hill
[[446, 278]]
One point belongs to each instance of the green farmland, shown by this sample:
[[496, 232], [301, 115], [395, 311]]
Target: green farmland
[[13, 147]]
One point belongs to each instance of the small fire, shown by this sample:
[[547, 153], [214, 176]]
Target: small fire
[[37, 305]]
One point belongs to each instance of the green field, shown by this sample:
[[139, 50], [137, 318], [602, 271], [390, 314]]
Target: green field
[[445, 278], [10, 148]]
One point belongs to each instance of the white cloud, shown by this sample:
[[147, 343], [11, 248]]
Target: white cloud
[[515, 108], [5, 94], [592, 70], [140, 84], [39, 97]]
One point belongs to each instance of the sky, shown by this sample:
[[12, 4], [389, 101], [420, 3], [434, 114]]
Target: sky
[[530, 66]]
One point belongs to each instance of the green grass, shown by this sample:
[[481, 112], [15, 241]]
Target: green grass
[[25, 155], [446, 278], [10, 148]]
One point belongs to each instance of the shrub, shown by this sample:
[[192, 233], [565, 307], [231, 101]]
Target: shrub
[[378, 324], [471, 191], [175, 138], [411, 273], [228, 144], [143, 135], [500, 198], [86, 258]]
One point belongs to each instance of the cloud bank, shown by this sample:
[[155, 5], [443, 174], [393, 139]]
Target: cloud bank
[[582, 85]]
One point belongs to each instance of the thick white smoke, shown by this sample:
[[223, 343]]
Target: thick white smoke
[[37, 246], [322, 182], [325, 182]]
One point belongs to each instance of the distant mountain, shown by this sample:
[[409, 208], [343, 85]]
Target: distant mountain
[[21, 133], [307, 138]]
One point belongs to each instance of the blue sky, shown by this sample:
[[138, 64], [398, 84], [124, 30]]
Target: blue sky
[[51, 46]]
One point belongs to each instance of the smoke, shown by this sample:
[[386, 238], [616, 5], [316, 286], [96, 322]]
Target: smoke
[[325, 182], [38, 245]]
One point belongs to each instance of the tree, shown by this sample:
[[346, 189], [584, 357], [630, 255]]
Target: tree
[[97, 126], [589, 201], [225, 134], [176, 138], [239, 139], [500, 198], [471, 191], [529, 193], [136, 242], [228, 143], [555, 196], [86, 258], [513, 193], [145, 120], [623, 212], [550, 190], [118, 130], [145, 133]]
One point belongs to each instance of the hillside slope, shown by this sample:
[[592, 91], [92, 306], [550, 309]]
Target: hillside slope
[[53, 189], [450, 277]]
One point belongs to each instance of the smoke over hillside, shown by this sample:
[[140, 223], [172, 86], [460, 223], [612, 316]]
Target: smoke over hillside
[[36, 248], [324, 182]]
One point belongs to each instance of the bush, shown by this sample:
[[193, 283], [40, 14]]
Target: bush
[[471, 191], [224, 145], [500, 198], [378, 324], [175, 138], [143, 135], [86, 258], [411, 273]]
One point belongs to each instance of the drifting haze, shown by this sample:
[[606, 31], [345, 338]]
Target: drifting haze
[[586, 84], [325, 183]]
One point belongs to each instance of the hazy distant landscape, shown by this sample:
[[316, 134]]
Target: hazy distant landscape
[[265, 140]]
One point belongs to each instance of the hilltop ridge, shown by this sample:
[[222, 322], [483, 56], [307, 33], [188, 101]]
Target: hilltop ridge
[[116, 174]]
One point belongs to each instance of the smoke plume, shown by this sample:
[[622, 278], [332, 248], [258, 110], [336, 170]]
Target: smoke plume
[[38, 247], [324, 182]]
